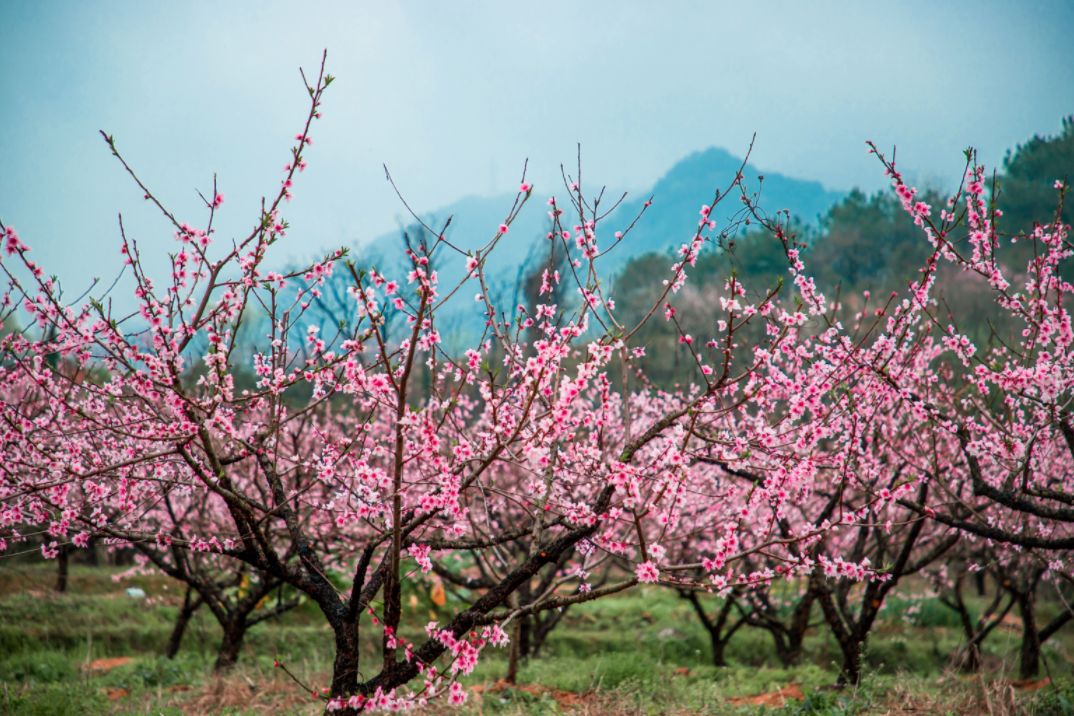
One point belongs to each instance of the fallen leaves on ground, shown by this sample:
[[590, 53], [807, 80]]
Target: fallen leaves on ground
[[104, 665], [236, 691], [771, 698], [566, 699], [1011, 622]]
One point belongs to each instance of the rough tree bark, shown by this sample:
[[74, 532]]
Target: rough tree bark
[[186, 612], [62, 567], [720, 629]]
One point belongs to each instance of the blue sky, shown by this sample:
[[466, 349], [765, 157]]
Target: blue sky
[[454, 96]]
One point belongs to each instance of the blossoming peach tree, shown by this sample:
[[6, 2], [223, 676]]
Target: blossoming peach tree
[[331, 472], [931, 438], [998, 409], [349, 460]]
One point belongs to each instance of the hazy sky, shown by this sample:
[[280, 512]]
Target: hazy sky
[[454, 96]]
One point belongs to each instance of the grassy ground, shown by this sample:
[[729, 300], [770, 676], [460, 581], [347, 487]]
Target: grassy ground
[[641, 653]]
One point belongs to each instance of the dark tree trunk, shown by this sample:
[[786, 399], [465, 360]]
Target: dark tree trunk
[[798, 628], [969, 658], [971, 662], [1032, 635], [93, 557], [62, 565], [718, 646], [527, 638], [345, 665], [787, 636], [788, 647], [393, 675], [525, 631], [515, 652], [230, 645], [540, 628], [782, 651], [1029, 665], [852, 631], [852, 648], [186, 611], [793, 651], [851, 635], [719, 631]]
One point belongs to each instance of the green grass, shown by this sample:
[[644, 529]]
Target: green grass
[[637, 653]]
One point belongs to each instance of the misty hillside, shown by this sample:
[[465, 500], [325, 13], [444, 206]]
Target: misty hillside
[[693, 181], [669, 222]]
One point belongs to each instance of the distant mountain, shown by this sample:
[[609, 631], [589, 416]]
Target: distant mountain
[[669, 222], [693, 181]]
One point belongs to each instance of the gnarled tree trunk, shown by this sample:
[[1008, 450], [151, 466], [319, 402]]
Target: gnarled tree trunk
[[231, 644], [62, 567], [1029, 661], [186, 612]]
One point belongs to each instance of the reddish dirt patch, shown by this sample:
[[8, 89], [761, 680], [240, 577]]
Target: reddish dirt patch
[[1031, 684], [565, 699], [772, 698], [115, 693], [103, 665], [682, 671], [1011, 622]]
